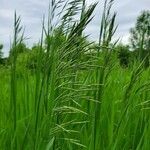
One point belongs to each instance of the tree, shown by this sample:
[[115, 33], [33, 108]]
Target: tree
[[123, 55], [1, 53], [33, 57], [20, 48], [140, 34]]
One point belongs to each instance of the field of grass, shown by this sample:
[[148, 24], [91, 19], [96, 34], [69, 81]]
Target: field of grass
[[123, 121], [69, 102]]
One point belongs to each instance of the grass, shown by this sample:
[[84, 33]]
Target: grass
[[131, 132], [70, 102]]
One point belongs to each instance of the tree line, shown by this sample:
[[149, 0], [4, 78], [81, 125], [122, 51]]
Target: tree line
[[137, 50]]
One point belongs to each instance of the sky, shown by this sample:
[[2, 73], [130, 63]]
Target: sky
[[31, 12]]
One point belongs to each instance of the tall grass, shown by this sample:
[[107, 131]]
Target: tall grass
[[75, 98]]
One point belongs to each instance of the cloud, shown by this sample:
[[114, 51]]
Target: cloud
[[127, 12], [32, 11]]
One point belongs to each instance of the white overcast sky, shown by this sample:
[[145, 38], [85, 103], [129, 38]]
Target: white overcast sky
[[31, 12]]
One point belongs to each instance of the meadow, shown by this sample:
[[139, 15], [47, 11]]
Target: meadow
[[75, 95]]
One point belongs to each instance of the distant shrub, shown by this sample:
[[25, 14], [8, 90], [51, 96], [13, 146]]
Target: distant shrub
[[123, 55]]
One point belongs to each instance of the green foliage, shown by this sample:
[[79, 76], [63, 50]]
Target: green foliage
[[69, 94], [20, 48], [32, 58], [140, 34], [1, 46], [57, 35], [124, 55], [1, 53]]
